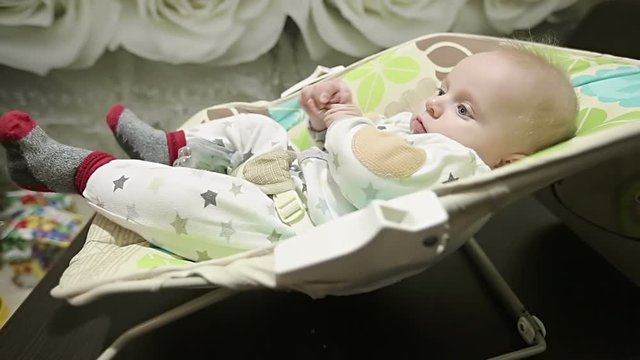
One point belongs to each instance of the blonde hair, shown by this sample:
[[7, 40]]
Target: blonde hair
[[553, 117]]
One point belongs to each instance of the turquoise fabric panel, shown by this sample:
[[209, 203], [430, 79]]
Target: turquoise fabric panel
[[620, 85], [288, 113]]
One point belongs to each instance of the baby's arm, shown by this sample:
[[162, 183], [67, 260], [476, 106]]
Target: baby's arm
[[368, 163]]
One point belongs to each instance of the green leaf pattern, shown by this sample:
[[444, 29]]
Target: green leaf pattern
[[590, 120], [374, 74], [370, 92], [301, 137], [593, 119], [573, 64]]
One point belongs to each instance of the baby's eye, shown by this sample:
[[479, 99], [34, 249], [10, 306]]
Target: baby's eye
[[439, 92], [462, 110]]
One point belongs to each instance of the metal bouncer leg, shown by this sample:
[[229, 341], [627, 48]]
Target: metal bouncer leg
[[178, 312], [530, 327]]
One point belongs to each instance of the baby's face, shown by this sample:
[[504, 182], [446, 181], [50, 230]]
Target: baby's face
[[477, 105]]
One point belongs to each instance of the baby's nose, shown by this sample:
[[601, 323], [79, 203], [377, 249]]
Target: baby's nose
[[433, 109]]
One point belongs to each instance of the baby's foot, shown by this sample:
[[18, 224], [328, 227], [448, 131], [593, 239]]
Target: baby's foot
[[37, 162], [141, 141]]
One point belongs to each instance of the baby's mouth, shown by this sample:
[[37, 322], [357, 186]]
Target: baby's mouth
[[418, 125]]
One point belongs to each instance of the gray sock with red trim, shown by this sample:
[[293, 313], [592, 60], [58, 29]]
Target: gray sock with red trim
[[37, 162], [141, 141]]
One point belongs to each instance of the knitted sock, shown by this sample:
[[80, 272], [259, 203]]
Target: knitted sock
[[141, 141], [37, 162]]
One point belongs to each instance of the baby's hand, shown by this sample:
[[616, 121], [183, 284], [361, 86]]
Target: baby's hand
[[340, 111], [316, 99]]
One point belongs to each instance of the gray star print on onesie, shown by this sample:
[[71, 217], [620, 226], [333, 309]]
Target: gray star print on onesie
[[322, 206], [451, 178], [236, 189], [203, 255], [132, 214], [370, 192], [227, 230], [119, 184], [180, 225], [209, 198], [336, 161], [275, 236]]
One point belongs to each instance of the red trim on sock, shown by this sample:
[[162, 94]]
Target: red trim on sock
[[175, 141], [113, 116], [14, 125], [88, 166]]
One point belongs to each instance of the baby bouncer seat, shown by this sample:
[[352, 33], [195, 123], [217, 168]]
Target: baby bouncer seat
[[389, 240]]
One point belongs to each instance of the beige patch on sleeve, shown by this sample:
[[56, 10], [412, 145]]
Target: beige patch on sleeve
[[386, 154]]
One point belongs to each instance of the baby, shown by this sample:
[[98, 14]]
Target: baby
[[492, 109], [503, 104]]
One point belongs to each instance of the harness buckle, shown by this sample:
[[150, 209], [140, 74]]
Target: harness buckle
[[289, 207]]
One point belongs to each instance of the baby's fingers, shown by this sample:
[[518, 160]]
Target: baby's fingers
[[329, 92], [311, 107], [308, 102], [345, 94]]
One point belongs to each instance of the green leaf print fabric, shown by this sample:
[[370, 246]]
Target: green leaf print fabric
[[373, 75]]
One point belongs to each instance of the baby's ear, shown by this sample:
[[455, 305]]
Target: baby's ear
[[508, 160]]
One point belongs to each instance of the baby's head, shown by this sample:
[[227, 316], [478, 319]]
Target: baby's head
[[504, 104]]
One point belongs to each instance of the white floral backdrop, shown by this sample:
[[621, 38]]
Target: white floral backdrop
[[41, 35], [68, 61]]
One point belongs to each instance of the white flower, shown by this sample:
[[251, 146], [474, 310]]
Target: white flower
[[225, 32], [509, 15], [40, 35], [472, 20], [362, 27]]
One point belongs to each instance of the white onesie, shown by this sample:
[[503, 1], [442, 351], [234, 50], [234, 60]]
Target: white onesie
[[201, 214]]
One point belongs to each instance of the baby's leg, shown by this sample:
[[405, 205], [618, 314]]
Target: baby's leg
[[37, 162], [228, 141], [141, 141], [193, 213]]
